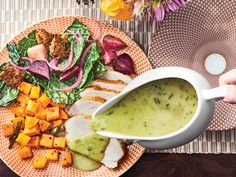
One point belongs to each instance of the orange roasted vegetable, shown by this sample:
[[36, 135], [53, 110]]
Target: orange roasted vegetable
[[34, 142], [7, 129], [52, 113], [40, 162], [31, 108], [66, 159], [44, 125], [47, 141], [30, 121], [35, 92], [40, 113], [57, 105], [25, 87], [59, 142], [22, 98], [19, 110], [23, 139], [15, 120], [25, 153], [63, 114], [52, 154], [44, 100]]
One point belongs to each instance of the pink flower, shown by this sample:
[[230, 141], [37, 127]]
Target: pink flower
[[158, 10]]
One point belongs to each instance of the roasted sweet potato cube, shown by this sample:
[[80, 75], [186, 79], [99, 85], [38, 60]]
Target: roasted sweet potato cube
[[23, 139], [44, 125], [41, 112], [59, 142], [31, 108], [56, 123], [15, 120], [30, 121], [25, 87], [34, 142], [63, 114], [7, 129], [25, 153], [52, 113], [19, 110], [35, 92], [57, 105], [35, 130], [22, 98], [44, 100], [52, 154], [66, 159], [47, 141], [40, 162]]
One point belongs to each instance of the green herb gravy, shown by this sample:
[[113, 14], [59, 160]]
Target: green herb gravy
[[157, 108]]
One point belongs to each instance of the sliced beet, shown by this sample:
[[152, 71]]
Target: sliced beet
[[124, 64], [112, 43], [108, 56], [40, 68], [70, 73]]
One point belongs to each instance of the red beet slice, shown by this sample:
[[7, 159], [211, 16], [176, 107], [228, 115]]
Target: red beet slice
[[40, 68], [70, 73], [108, 56], [112, 43], [124, 64]]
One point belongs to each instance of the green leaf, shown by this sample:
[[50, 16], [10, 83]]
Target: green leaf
[[26, 43], [13, 53], [15, 134], [59, 96], [35, 79], [7, 94]]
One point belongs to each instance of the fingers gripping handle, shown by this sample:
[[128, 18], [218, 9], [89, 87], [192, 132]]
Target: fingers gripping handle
[[218, 92]]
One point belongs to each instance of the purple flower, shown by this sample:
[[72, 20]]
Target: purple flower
[[158, 10]]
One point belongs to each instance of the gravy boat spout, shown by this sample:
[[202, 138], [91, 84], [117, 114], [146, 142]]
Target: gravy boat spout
[[197, 124]]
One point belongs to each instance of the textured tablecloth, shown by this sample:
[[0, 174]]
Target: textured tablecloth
[[15, 15]]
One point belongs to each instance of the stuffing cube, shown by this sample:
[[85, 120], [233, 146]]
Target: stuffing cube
[[47, 141], [40, 162], [25, 153], [52, 154]]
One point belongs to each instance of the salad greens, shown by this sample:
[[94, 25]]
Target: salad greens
[[7, 94], [93, 66]]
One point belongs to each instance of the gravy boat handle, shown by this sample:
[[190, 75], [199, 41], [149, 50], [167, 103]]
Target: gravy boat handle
[[217, 92]]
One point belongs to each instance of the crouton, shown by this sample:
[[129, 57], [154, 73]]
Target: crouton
[[58, 47]]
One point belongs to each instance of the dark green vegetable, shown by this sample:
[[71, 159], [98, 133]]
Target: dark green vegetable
[[26, 43], [58, 131], [15, 134], [35, 79], [14, 54], [7, 94]]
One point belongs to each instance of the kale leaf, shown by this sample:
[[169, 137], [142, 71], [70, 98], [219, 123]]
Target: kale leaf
[[7, 94]]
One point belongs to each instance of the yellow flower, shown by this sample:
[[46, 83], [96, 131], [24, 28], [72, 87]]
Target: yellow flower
[[117, 9]]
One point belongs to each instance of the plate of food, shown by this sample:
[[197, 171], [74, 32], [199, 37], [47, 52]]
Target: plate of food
[[53, 76]]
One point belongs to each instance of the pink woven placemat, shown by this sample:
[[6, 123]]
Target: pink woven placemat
[[17, 15]]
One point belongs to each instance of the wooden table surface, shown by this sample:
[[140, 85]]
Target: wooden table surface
[[173, 165]]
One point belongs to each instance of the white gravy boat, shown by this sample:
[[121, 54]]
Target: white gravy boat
[[193, 128]]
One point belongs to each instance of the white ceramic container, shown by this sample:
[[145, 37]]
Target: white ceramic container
[[192, 129]]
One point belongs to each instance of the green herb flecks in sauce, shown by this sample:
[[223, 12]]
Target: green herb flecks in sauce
[[157, 108]]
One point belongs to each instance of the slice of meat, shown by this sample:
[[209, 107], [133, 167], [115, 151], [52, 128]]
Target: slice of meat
[[116, 85], [114, 75], [114, 153], [86, 106], [99, 92], [77, 126]]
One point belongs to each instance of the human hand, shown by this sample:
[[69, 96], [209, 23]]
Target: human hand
[[229, 78]]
